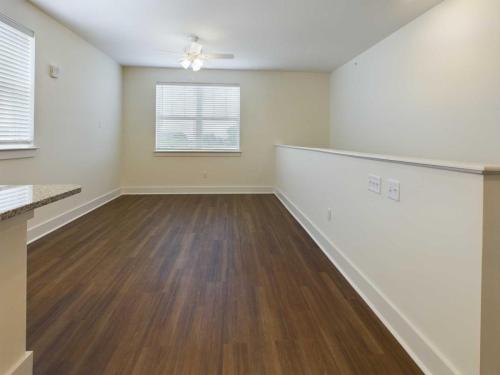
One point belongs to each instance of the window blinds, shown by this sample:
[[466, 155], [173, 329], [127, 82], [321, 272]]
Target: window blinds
[[197, 117], [17, 48]]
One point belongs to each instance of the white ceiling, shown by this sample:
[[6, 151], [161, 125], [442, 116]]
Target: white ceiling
[[308, 35]]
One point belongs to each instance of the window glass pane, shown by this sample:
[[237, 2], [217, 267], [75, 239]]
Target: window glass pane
[[221, 134], [176, 134]]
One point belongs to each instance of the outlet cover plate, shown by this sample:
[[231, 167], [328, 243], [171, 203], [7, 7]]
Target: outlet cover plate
[[393, 191], [374, 183]]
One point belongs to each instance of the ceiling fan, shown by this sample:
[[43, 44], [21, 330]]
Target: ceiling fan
[[194, 56]]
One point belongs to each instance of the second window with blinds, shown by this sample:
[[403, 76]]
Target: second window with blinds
[[197, 118], [17, 84]]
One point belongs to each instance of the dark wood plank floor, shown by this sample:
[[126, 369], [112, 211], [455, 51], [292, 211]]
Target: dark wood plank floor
[[197, 284]]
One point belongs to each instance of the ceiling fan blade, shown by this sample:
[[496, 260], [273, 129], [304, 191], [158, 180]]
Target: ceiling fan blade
[[217, 56], [169, 52]]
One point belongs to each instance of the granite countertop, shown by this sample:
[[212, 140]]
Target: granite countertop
[[18, 199]]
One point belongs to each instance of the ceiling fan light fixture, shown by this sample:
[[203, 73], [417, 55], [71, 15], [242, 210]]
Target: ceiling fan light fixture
[[194, 55], [185, 63], [197, 64], [195, 48]]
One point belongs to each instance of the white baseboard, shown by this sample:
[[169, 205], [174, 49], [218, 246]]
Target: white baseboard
[[37, 231], [424, 353], [136, 190], [24, 366]]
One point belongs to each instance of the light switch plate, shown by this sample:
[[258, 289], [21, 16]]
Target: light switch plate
[[374, 183], [393, 190], [54, 71]]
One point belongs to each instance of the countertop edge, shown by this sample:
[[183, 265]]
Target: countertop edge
[[43, 202]]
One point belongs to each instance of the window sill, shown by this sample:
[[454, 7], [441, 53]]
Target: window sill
[[17, 153], [197, 153]]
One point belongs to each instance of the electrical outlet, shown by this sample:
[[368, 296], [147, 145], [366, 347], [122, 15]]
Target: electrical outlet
[[393, 190], [374, 183]]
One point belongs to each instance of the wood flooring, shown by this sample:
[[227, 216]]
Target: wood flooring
[[197, 284]]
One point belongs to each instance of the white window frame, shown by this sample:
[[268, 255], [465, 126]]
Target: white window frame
[[22, 150], [200, 152]]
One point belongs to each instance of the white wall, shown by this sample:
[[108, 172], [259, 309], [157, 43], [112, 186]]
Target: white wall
[[417, 261], [431, 89], [77, 117], [275, 107]]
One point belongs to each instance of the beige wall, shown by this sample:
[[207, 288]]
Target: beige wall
[[431, 89], [77, 117], [14, 359], [490, 312], [275, 107]]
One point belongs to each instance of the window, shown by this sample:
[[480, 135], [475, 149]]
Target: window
[[17, 57], [197, 118]]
